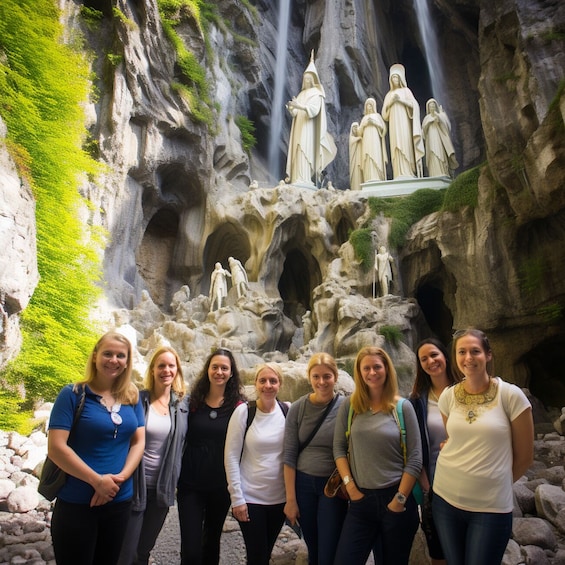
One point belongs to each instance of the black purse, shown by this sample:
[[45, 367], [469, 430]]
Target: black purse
[[53, 477]]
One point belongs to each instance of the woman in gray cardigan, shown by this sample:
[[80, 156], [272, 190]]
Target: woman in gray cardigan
[[166, 414]]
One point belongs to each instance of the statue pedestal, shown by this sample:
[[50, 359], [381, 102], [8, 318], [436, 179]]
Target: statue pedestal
[[402, 187]]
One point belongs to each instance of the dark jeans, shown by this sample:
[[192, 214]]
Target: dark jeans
[[142, 532], [370, 524], [471, 538], [260, 533], [321, 518], [201, 516], [88, 536]]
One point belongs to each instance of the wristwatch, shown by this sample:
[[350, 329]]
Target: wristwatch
[[346, 480], [400, 497]]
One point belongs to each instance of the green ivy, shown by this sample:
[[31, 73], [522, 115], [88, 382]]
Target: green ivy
[[406, 211], [43, 87], [247, 129], [463, 191], [363, 246], [392, 334]]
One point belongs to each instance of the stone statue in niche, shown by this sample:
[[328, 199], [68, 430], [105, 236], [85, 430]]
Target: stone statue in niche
[[218, 286], [436, 129], [355, 173], [402, 112], [238, 277], [373, 147], [310, 148], [383, 271]]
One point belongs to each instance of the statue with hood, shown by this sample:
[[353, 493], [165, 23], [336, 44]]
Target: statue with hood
[[402, 112], [436, 129], [310, 148]]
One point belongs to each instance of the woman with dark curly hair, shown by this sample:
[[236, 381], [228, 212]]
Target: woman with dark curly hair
[[203, 497]]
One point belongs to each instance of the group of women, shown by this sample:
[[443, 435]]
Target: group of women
[[463, 438]]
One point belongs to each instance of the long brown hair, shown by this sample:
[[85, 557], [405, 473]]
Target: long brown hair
[[360, 399], [123, 390], [423, 382]]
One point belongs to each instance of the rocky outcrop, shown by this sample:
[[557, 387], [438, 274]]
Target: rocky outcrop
[[18, 259]]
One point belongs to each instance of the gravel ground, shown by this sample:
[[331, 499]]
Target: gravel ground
[[289, 550]]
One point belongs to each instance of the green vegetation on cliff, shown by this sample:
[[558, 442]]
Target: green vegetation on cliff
[[43, 86]]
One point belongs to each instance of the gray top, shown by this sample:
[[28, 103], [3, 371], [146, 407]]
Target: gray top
[[317, 457], [376, 458]]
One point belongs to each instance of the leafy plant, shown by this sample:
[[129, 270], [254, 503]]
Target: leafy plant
[[463, 191], [43, 86], [392, 334], [406, 211], [247, 129], [363, 246]]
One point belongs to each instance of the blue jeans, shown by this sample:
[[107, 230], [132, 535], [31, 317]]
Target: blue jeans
[[321, 518], [471, 538], [369, 524]]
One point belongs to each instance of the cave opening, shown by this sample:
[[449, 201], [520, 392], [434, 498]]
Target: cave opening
[[436, 313], [544, 366], [295, 285]]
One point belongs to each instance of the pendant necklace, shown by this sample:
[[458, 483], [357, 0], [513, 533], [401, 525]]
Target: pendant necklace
[[475, 403], [114, 414]]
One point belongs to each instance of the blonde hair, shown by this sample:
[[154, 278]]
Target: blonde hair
[[178, 386], [273, 367], [322, 359], [124, 391], [360, 399]]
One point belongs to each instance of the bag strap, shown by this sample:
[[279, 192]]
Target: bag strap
[[319, 423], [78, 408], [252, 410], [399, 418]]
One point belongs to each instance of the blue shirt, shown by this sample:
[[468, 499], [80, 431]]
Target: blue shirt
[[94, 442]]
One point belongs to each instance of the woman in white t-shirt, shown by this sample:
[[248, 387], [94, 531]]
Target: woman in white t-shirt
[[490, 445], [254, 465]]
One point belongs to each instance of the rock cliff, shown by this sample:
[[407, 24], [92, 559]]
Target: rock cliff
[[175, 197]]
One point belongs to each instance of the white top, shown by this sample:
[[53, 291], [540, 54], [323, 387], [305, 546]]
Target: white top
[[258, 478], [157, 428], [474, 468]]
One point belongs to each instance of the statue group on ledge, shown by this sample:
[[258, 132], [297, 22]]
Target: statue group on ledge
[[311, 147], [219, 282]]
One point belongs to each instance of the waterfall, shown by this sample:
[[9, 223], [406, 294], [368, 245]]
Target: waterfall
[[279, 88], [429, 41]]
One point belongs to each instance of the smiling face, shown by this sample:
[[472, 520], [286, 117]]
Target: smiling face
[[110, 359], [267, 384], [165, 369], [373, 372], [219, 371], [432, 360], [323, 380], [471, 357]]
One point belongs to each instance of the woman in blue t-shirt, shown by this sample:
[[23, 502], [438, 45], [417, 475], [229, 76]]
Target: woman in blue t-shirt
[[106, 446]]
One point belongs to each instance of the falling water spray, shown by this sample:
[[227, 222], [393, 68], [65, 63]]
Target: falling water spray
[[279, 86]]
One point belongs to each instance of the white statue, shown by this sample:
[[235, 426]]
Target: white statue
[[355, 173], [402, 112], [436, 128], [373, 147], [383, 271], [310, 148], [238, 277], [218, 286]]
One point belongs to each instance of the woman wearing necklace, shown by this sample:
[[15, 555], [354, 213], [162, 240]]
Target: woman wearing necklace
[[378, 475], [155, 480], [490, 445], [308, 462], [433, 375], [203, 497], [106, 446], [254, 466]]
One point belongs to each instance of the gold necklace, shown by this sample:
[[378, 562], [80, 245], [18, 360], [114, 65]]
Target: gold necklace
[[475, 404]]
